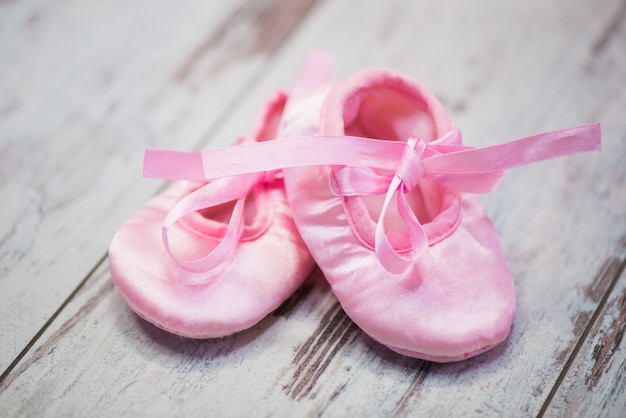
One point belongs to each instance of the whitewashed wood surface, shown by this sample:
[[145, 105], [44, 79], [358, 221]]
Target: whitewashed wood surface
[[85, 86]]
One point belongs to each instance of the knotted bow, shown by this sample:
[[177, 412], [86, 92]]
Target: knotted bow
[[411, 169], [217, 192], [213, 194], [359, 161]]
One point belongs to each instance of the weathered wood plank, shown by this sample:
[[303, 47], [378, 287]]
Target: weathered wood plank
[[85, 87], [595, 384], [504, 71], [307, 357]]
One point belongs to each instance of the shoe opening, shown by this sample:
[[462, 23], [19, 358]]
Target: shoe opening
[[382, 104]]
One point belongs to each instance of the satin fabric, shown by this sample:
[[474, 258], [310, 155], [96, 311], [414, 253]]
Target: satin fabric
[[458, 299], [412, 258], [268, 262]]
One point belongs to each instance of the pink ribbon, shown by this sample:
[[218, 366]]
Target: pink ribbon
[[222, 190], [463, 169]]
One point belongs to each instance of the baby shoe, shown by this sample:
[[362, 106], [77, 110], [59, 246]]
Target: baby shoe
[[380, 188], [209, 259], [411, 256]]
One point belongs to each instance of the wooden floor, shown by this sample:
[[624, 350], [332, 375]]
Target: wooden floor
[[86, 86]]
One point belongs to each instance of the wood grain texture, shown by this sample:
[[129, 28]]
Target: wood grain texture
[[503, 71], [594, 384], [312, 368], [85, 87]]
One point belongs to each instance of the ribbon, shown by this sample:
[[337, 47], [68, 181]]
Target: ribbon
[[212, 194], [223, 188], [357, 159]]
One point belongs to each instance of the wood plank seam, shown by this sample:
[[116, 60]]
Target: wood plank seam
[[335, 331], [50, 320], [615, 268], [604, 350]]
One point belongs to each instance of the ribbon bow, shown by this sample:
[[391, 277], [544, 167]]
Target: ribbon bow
[[212, 194], [411, 169], [357, 161]]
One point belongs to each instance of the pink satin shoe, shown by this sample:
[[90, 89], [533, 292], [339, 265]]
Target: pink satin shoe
[[411, 256], [380, 187], [182, 264]]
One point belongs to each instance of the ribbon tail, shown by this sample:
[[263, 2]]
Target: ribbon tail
[[209, 195], [387, 255], [479, 170], [173, 165]]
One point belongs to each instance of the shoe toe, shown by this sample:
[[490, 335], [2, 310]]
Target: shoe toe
[[260, 276]]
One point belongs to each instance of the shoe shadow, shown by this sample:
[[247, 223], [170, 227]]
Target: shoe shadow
[[391, 358], [212, 348]]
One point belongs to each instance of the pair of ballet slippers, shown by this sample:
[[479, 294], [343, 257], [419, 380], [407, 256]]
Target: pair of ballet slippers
[[368, 178]]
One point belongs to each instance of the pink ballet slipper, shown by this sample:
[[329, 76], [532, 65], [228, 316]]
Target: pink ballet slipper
[[379, 184], [414, 261], [182, 264]]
